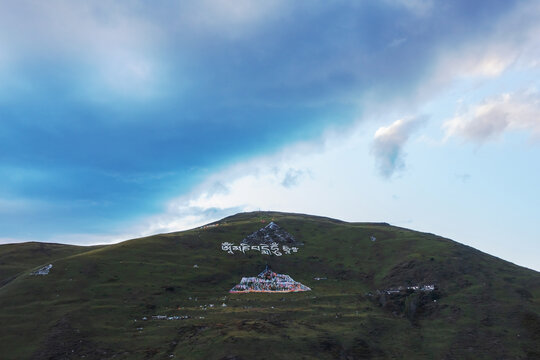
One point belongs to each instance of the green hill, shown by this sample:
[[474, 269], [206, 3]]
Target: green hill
[[18, 258], [99, 302]]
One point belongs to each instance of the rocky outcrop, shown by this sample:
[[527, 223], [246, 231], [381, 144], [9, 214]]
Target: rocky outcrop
[[271, 233]]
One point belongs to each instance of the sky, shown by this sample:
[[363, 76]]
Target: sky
[[122, 119]]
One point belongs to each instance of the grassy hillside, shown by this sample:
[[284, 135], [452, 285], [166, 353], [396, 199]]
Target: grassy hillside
[[92, 303], [18, 258]]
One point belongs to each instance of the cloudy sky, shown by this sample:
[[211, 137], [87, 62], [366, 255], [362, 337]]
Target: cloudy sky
[[126, 118]]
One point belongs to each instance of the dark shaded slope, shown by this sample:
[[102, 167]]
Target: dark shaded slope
[[485, 308]]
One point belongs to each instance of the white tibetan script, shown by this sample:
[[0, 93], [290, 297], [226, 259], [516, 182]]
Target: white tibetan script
[[265, 249]]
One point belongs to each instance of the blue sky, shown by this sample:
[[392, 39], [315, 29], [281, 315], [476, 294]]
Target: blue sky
[[122, 119]]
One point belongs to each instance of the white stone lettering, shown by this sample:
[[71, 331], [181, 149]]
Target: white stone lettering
[[265, 249], [245, 247], [275, 249], [226, 246]]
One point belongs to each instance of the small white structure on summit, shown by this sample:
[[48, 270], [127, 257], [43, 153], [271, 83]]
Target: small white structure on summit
[[43, 271]]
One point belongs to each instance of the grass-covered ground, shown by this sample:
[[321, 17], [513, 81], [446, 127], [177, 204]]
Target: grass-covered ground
[[15, 259], [93, 302]]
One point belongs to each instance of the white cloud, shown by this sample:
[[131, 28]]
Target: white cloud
[[257, 184], [492, 117], [479, 59], [512, 44], [104, 29], [73, 28], [388, 143], [293, 177], [299, 178], [332, 176], [115, 48]]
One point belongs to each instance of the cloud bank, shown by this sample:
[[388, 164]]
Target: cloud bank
[[494, 116], [388, 144]]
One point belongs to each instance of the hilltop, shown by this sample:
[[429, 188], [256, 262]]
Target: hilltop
[[377, 291]]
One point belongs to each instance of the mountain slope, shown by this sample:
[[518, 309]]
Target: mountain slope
[[17, 258], [94, 304]]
